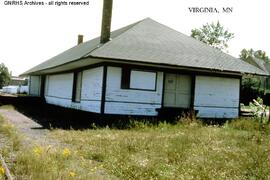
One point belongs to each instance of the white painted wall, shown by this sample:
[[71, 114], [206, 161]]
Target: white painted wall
[[59, 90], [60, 85], [216, 97], [92, 89], [92, 84], [34, 85], [128, 101]]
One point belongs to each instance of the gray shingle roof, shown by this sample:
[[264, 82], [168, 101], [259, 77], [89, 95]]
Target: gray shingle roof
[[259, 63], [75, 53], [151, 42]]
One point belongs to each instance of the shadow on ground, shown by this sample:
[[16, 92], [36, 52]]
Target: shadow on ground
[[50, 116]]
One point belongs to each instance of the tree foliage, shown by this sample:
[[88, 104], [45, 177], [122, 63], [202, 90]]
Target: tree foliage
[[245, 54], [252, 85], [213, 34], [5, 75]]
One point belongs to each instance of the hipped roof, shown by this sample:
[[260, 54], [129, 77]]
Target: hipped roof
[[148, 41], [265, 66]]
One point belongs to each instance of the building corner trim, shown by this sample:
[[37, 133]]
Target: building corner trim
[[103, 92]]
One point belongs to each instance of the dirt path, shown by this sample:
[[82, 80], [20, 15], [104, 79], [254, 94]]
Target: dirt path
[[32, 132]]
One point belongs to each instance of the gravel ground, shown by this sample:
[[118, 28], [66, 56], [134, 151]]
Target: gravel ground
[[32, 132]]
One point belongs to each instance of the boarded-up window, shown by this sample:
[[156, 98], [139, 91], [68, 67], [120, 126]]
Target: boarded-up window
[[142, 80], [77, 87], [136, 79]]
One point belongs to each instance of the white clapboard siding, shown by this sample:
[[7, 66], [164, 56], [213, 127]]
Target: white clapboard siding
[[34, 85], [58, 101], [60, 85], [130, 101], [59, 90], [131, 109], [92, 84], [212, 112], [92, 89], [216, 97]]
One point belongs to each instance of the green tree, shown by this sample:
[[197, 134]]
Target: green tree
[[252, 85], [213, 34], [246, 54], [5, 75]]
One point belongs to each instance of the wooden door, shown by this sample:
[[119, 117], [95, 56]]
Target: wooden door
[[177, 90]]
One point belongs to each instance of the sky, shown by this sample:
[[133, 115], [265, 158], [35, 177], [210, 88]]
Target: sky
[[31, 34]]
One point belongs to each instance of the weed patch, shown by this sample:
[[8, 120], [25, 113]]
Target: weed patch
[[249, 124], [186, 150], [39, 162]]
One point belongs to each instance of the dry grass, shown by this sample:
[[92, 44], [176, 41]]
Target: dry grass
[[7, 107], [182, 151], [42, 163], [9, 145], [189, 150]]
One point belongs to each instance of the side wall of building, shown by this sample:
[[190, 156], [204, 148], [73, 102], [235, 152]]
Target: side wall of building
[[59, 90], [217, 97], [132, 101], [214, 97]]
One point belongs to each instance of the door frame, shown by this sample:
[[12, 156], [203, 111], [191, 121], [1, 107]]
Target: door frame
[[193, 81]]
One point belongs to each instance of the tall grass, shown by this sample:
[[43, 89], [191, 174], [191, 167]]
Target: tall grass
[[43, 163], [10, 143], [184, 150], [9, 132], [249, 124], [187, 150], [52, 163]]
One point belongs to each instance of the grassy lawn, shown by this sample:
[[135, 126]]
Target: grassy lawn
[[236, 150]]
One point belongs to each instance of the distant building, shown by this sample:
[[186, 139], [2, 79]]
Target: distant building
[[18, 81]]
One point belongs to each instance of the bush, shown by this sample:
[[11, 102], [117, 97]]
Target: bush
[[249, 93], [252, 89]]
